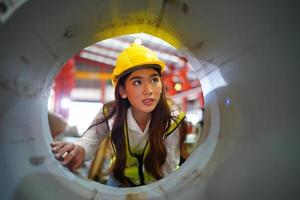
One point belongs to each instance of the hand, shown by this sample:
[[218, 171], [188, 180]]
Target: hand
[[71, 154]]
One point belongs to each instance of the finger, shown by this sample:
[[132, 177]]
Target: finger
[[66, 148], [59, 151], [65, 155], [68, 157], [52, 144], [55, 143], [58, 146]]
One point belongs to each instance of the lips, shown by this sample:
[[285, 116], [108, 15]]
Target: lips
[[148, 102]]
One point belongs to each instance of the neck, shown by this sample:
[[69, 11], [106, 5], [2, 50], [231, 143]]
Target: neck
[[141, 118]]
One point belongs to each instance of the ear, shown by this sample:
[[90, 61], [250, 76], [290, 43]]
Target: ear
[[122, 92]]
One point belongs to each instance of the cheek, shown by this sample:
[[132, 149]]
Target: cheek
[[159, 89], [133, 92], [158, 92]]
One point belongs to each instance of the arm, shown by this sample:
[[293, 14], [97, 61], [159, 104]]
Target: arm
[[91, 140], [73, 154]]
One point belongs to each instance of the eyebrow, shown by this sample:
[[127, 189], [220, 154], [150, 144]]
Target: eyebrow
[[139, 77]]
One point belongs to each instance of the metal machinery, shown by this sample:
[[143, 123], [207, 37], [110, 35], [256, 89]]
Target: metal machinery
[[245, 54]]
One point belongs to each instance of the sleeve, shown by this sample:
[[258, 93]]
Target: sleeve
[[172, 145], [93, 137]]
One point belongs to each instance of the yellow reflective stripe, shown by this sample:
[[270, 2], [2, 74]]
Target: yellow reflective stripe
[[175, 124], [132, 171], [146, 150]]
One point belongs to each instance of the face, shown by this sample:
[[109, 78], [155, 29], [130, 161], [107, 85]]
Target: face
[[142, 88]]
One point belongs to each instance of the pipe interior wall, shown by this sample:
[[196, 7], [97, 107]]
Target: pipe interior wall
[[251, 87]]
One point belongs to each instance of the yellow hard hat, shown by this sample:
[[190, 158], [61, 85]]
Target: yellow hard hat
[[133, 57]]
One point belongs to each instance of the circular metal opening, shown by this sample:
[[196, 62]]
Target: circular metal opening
[[48, 51]]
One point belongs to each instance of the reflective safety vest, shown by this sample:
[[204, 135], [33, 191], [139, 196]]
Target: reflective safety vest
[[134, 170]]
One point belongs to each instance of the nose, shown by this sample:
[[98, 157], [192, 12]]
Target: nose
[[148, 90]]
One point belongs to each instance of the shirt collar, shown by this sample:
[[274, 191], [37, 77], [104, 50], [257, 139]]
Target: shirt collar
[[132, 124]]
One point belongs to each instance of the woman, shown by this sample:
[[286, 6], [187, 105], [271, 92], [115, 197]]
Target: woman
[[146, 128]]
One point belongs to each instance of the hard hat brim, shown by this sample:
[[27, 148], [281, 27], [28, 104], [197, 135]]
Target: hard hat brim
[[154, 65]]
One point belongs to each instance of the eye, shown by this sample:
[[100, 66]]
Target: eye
[[137, 82], [155, 80]]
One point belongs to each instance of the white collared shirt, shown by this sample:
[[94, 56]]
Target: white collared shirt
[[137, 140]]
